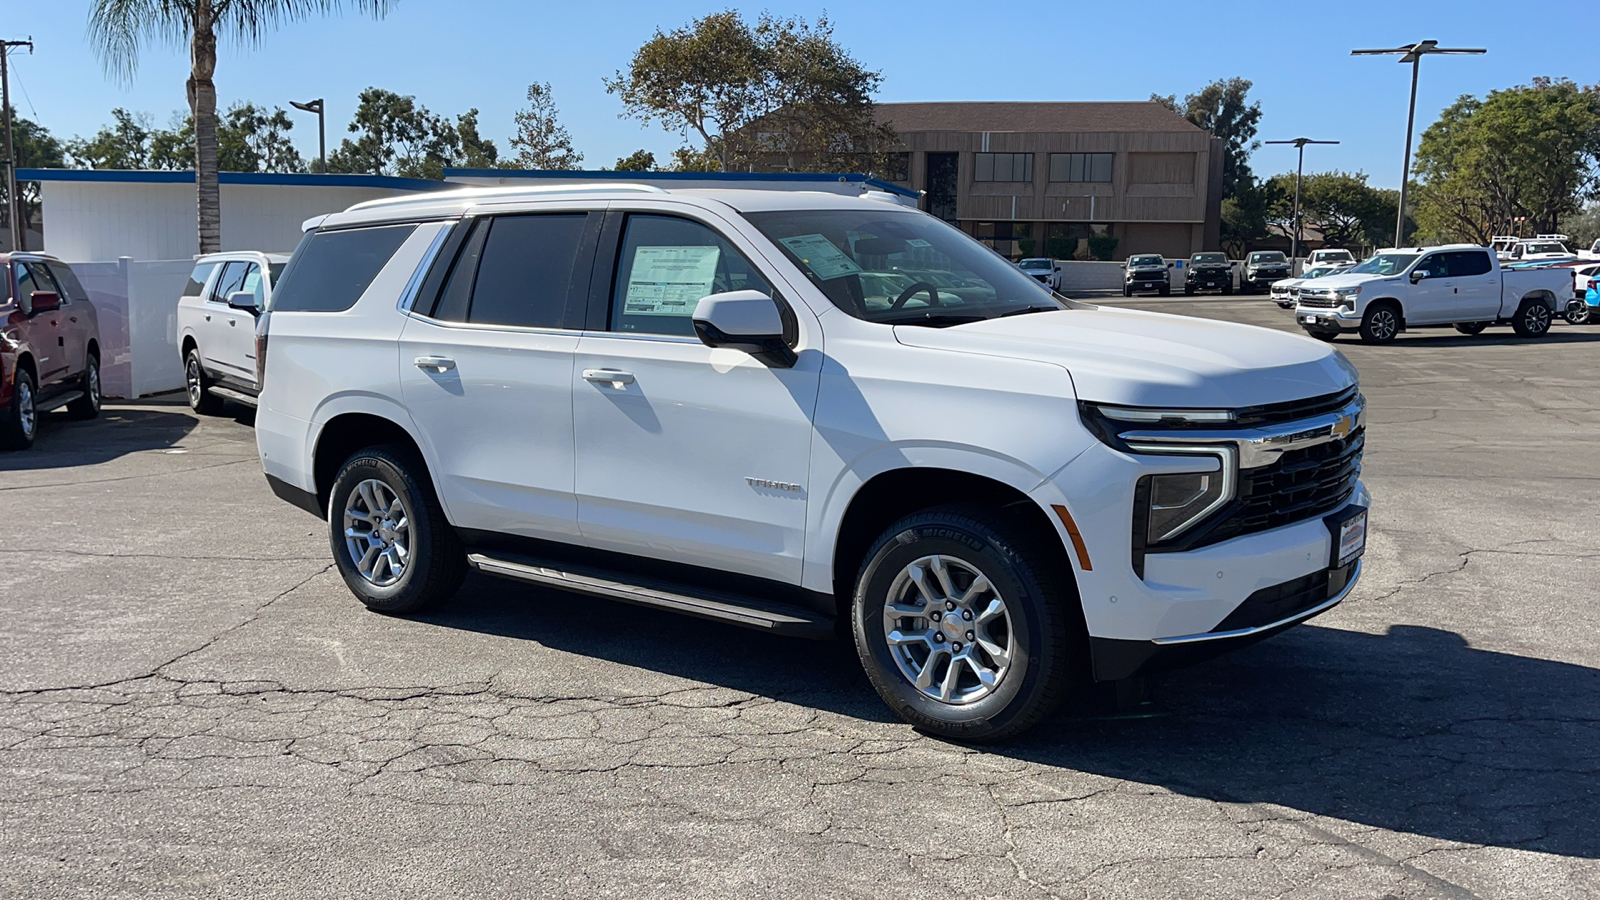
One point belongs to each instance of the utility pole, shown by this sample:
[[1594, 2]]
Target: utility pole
[[322, 134], [1413, 54], [1299, 169], [19, 238]]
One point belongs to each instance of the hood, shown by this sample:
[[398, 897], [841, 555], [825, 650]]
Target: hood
[[1287, 282], [1140, 358], [1348, 280]]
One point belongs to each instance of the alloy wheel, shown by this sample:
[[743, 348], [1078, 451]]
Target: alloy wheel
[[94, 384], [191, 377], [1384, 325], [26, 409], [949, 630], [377, 532], [1537, 317]]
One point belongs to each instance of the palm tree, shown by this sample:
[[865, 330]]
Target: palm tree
[[118, 27]]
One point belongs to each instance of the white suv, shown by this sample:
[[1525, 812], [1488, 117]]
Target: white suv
[[217, 325], [720, 402]]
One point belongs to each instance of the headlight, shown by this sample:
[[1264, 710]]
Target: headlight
[[1348, 293], [1172, 503]]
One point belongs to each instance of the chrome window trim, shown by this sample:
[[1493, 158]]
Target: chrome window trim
[[1355, 574], [408, 296], [1258, 447]]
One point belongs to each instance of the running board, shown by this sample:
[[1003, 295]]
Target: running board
[[57, 402], [235, 396], [737, 609]]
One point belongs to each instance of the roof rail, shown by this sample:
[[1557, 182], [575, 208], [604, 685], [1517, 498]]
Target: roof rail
[[1551, 237], [471, 192]]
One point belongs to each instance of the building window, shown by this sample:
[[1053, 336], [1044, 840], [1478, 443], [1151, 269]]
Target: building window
[[897, 167], [1002, 167], [1080, 167]]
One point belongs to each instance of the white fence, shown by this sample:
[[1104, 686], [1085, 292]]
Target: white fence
[[137, 303]]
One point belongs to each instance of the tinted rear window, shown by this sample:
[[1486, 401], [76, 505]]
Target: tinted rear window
[[197, 279], [68, 280], [330, 270], [526, 273]]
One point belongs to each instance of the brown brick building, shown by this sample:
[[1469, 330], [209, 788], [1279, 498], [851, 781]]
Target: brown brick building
[[1017, 175]]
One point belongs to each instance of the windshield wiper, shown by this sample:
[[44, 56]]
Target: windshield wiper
[[937, 321], [1028, 309]]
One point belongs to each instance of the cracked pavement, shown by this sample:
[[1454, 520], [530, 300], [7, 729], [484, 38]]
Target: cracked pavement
[[191, 704]]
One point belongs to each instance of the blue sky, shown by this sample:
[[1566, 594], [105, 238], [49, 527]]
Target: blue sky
[[483, 53]]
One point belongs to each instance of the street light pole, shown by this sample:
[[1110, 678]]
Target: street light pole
[[322, 134], [1299, 170], [1413, 54], [19, 237]]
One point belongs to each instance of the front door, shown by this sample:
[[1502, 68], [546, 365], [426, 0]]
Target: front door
[[684, 452], [486, 373], [1432, 300], [229, 330], [42, 330]]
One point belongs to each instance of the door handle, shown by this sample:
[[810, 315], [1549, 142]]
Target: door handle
[[208, 317], [608, 376], [436, 363], [232, 322]]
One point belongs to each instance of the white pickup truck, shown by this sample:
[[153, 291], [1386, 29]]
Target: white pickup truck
[[217, 326], [1460, 285]]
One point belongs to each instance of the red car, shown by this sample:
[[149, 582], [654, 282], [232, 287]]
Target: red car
[[49, 346]]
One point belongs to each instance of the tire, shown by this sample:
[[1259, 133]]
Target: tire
[[22, 422], [1188, 290], [1165, 290], [1532, 319], [1323, 335], [363, 502], [198, 384], [1380, 324], [1127, 290], [1576, 313], [1038, 632], [1227, 288], [1471, 328], [88, 406]]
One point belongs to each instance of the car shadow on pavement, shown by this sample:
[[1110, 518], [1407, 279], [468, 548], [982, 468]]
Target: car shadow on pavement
[[64, 442], [1433, 337], [1412, 731]]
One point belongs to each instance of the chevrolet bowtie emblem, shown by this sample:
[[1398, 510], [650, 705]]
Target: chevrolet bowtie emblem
[[1341, 428]]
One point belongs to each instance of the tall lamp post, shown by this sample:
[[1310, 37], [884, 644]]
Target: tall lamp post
[[315, 106], [1413, 54], [1299, 169]]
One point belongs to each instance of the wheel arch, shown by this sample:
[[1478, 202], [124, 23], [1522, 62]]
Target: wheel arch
[[1546, 297], [347, 432], [893, 494], [1399, 307]]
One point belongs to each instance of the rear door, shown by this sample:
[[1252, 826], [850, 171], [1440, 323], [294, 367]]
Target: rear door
[[1474, 283], [76, 319], [486, 369], [42, 330]]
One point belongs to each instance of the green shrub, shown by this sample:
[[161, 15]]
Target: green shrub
[[1025, 246], [1102, 246], [1061, 247]]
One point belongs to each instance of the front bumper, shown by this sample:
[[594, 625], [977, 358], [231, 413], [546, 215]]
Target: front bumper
[[1339, 318]]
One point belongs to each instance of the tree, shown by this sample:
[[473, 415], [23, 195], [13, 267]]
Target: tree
[[1221, 109], [688, 159], [1583, 227], [1518, 160], [124, 144], [249, 139], [118, 28], [35, 148], [780, 93], [1349, 212], [541, 140], [637, 161], [395, 135]]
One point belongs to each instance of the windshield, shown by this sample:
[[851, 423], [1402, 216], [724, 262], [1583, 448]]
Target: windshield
[[1208, 259], [1267, 256], [1385, 264], [1035, 264], [1320, 271], [1145, 260], [901, 268], [1543, 247]]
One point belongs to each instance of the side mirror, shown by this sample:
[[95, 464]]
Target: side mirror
[[744, 320], [1418, 274], [1171, 264], [243, 300], [42, 301]]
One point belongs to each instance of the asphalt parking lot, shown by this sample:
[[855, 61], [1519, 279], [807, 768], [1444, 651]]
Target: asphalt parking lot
[[191, 704]]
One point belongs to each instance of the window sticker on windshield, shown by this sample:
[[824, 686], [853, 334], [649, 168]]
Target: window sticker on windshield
[[917, 242], [819, 254], [669, 281]]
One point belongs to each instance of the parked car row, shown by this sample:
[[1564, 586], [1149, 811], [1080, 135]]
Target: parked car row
[[49, 346]]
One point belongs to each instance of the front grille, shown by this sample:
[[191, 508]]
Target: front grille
[[1319, 301], [1302, 484], [1293, 410]]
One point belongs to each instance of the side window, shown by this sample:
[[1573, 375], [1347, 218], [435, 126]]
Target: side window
[[526, 272], [71, 287], [1468, 263], [38, 279], [26, 284], [231, 279], [457, 290], [330, 270], [666, 265], [197, 279], [252, 283], [1435, 266]]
